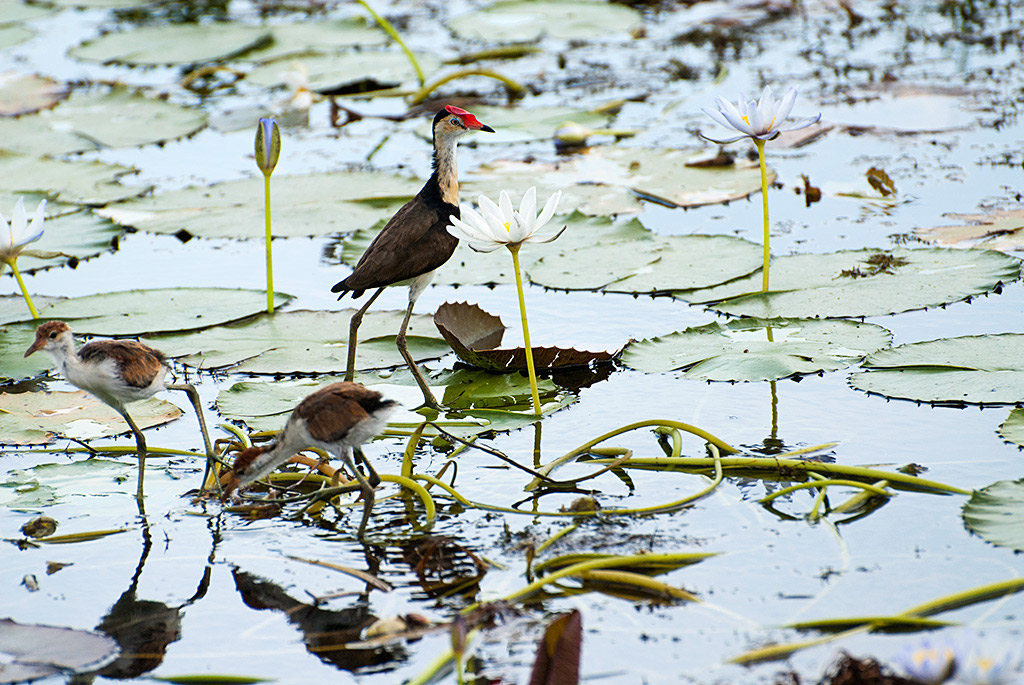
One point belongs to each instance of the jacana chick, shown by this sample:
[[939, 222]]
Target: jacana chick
[[415, 242], [118, 372], [338, 419]]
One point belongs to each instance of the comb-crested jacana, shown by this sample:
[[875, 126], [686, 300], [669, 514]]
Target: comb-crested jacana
[[338, 418], [116, 371], [415, 241]]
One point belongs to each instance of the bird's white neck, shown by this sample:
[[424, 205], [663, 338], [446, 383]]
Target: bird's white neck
[[63, 353], [446, 168]]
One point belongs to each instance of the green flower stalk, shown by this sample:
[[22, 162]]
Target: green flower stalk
[[268, 150], [761, 121], [14, 237], [499, 225]]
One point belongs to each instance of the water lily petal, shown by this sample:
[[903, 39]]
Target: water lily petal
[[484, 247], [35, 229], [19, 220], [785, 107], [717, 116], [733, 117], [462, 230], [549, 210], [803, 123], [766, 106], [537, 238], [505, 204], [528, 207]]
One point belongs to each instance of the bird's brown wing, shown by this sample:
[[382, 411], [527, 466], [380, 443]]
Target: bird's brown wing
[[331, 412], [414, 241], [137, 364]]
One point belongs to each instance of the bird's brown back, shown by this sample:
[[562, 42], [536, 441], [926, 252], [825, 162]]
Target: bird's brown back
[[331, 412], [137, 364]]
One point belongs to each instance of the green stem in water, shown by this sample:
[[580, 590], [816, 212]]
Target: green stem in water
[[270, 250], [514, 249], [24, 290], [764, 204], [390, 30]]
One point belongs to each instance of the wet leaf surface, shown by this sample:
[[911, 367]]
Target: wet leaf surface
[[995, 231], [984, 369], [26, 93], [374, 68], [1012, 429], [518, 20], [173, 44], [298, 40], [37, 651], [741, 351], [75, 181], [996, 513], [79, 236]]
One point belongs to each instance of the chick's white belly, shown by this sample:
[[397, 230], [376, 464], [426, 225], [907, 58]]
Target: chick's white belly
[[104, 381]]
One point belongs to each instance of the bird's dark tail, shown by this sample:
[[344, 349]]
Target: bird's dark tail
[[343, 290]]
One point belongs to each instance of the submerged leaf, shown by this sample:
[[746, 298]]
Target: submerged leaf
[[740, 350], [996, 513], [475, 334], [984, 369], [997, 231], [34, 651]]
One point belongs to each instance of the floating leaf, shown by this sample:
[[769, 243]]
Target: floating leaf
[[235, 209], [26, 93], [475, 335], [100, 118], [157, 310], [13, 35], [656, 265], [39, 418], [996, 513], [76, 181], [997, 231], [306, 37], [740, 350], [304, 342], [862, 283], [527, 124], [528, 20], [884, 109], [467, 267], [363, 70], [1012, 429], [32, 652], [983, 369], [173, 44], [15, 11], [14, 340], [79, 236]]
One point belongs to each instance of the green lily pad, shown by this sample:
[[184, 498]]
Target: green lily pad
[[856, 283], [996, 513], [14, 35], [740, 350], [32, 652], [40, 418], [135, 312], [529, 20], [304, 38], [655, 265], [75, 181], [100, 118], [14, 340], [318, 204], [16, 12], [173, 44], [381, 68], [467, 267], [1012, 429], [526, 124], [982, 369], [304, 342], [26, 93], [78, 236]]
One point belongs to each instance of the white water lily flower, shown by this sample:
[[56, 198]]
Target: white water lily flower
[[761, 120], [987, 661], [929, 661], [14, 236], [499, 225]]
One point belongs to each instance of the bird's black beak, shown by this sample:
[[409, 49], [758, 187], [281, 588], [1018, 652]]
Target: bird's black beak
[[486, 128]]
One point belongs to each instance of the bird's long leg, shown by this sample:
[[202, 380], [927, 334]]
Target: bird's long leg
[[368, 493], [373, 478], [353, 330], [193, 397], [140, 448], [428, 397]]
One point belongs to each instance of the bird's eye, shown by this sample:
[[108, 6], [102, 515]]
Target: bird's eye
[[53, 335], [454, 121]]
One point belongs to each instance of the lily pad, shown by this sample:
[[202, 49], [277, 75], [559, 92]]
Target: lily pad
[[475, 335], [467, 267], [78, 236], [304, 342], [16, 11], [983, 369], [741, 351], [75, 181], [135, 312], [527, 124], [996, 231], [996, 513], [302, 38], [26, 93], [857, 283], [32, 652], [318, 204], [529, 20], [100, 118], [13, 35], [173, 44], [40, 418], [1012, 429], [363, 70], [14, 340], [657, 265]]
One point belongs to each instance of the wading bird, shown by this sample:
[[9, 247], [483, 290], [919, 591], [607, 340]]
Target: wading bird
[[338, 418], [415, 241], [116, 371]]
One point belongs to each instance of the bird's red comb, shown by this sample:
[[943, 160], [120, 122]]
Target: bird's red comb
[[468, 119]]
